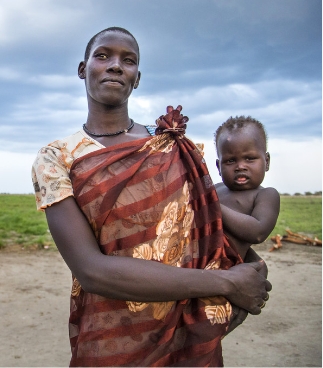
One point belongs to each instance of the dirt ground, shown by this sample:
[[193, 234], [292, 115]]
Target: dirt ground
[[34, 297]]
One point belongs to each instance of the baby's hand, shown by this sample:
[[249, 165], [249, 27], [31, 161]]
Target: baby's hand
[[263, 269], [238, 316], [252, 256]]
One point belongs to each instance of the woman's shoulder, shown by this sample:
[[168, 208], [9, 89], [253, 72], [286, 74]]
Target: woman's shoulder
[[73, 141], [50, 170], [72, 146], [68, 140]]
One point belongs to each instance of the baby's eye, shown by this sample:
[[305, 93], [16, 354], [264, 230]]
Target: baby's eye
[[250, 158], [230, 161]]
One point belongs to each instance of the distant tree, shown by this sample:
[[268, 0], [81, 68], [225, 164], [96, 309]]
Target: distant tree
[[318, 193], [308, 193], [285, 194], [297, 194]]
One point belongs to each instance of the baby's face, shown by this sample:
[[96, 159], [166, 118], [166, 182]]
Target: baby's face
[[243, 160]]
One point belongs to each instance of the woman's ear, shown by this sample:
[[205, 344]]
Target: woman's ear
[[81, 70], [218, 166], [267, 161], [137, 81]]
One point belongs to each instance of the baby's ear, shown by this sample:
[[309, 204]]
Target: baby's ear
[[267, 161], [218, 166]]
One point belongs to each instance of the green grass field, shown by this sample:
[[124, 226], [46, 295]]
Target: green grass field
[[21, 224], [300, 214]]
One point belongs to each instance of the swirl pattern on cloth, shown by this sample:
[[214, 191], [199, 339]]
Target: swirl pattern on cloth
[[151, 199]]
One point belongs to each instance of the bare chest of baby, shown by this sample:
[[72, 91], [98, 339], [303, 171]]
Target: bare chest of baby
[[240, 201]]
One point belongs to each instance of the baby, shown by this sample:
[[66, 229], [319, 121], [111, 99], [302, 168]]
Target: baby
[[249, 210]]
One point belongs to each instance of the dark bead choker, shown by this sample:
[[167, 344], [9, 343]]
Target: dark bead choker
[[110, 134]]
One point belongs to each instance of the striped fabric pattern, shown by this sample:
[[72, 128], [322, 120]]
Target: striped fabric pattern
[[152, 199]]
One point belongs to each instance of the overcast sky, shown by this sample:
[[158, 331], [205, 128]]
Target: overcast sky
[[217, 58]]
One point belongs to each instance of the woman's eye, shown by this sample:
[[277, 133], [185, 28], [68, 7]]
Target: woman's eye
[[130, 61], [101, 56]]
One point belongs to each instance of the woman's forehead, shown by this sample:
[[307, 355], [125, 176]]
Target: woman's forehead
[[113, 39]]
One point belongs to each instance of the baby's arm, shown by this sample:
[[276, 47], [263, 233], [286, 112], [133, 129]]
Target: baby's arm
[[252, 256], [256, 227]]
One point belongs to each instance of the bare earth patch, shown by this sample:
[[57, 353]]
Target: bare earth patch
[[34, 298]]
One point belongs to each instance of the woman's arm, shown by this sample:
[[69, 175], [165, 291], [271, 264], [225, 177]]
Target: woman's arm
[[133, 279], [256, 227]]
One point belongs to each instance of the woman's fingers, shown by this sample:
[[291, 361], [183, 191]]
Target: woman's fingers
[[249, 287]]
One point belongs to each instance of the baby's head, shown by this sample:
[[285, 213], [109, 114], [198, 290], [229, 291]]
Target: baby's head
[[241, 145]]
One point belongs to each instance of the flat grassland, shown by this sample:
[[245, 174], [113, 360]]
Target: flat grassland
[[300, 214], [22, 226], [35, 285]]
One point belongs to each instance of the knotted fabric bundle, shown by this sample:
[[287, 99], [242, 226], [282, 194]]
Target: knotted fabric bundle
[[173, 122]]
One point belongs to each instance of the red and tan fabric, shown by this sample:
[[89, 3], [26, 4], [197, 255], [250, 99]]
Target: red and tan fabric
[[151, 199]]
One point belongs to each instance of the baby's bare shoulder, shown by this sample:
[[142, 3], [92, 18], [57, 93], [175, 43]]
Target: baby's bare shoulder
[[268, 194]]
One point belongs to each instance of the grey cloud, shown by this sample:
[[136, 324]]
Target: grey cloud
[[196, 52], [289, 108]]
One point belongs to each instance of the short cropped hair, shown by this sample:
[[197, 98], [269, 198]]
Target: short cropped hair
[[238, 123], [110, 29]]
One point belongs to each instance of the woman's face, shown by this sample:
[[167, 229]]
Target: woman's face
[[111, 71]]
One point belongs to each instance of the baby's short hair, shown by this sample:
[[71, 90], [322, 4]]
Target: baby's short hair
[[110, 29], [237, 123]]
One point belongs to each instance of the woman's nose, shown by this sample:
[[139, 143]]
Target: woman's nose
[[115, 66]]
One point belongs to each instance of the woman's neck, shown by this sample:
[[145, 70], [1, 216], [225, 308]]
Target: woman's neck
[[108, 120]]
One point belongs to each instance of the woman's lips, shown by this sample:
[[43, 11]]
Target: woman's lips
[[112, 81]]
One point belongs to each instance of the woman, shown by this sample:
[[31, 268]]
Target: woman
[[137, 220]]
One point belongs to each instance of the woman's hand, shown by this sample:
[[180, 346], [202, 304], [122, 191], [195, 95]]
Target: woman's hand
[[239, 314], [127, 278], [248, 289]]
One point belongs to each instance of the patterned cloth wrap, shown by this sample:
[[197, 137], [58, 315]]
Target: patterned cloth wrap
[[151, 199]]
